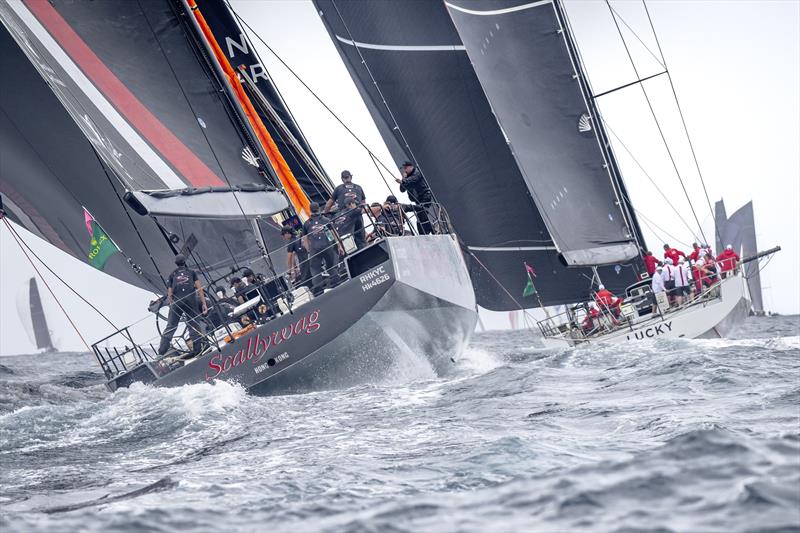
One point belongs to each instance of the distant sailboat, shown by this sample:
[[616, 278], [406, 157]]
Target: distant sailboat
[[31, 314], [739, 231]]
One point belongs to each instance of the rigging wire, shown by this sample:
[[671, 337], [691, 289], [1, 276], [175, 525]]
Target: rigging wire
[[659, 61], [652, 181], [59, 278], [305, 85], [58, 302], [680, 113], [130, 219], [396, 126], [655, 118]]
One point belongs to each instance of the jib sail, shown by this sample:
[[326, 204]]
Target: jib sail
[[409, 55]]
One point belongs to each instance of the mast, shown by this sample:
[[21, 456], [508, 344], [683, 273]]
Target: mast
[[613, 167], [265, 146]]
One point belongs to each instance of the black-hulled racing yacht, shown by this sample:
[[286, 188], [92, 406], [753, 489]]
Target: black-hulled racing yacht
[[139, 114]]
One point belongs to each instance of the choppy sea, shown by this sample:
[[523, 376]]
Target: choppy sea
[[680, 435]]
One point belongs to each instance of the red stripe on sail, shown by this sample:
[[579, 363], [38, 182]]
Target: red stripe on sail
[[158, 135]]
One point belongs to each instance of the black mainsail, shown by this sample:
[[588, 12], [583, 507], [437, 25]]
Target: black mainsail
[[522, 55], [739, 230], [135, 82], [414, 74]]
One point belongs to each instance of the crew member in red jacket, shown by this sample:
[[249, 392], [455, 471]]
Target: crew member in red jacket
[[606, 301], [697, 253], [672, 253], [727, 261], [650, 263]]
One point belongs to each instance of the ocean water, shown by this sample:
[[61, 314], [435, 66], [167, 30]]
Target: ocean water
[[682, 435]]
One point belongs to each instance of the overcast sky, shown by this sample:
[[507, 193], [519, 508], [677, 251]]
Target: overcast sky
[[736, 69]]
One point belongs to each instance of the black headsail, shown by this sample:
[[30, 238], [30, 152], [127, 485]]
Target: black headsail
[[408, 55], [521, 53], [135, 82]]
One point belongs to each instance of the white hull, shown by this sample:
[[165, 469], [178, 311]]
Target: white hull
[[712, 318]]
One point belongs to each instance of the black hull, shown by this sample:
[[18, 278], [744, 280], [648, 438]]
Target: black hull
[[397, 315]]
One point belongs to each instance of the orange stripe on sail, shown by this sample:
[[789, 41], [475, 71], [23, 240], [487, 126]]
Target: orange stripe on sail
[[293, 190]]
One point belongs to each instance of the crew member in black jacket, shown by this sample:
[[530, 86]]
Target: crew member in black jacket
[[413, 183]]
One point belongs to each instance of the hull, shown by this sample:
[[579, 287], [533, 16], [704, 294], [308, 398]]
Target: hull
[[713, 318], [414, 309]]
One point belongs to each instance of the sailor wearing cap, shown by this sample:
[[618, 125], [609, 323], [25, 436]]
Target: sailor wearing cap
[[342, 194], [347, 190], [414, 183], [727, 261], [183, 289]]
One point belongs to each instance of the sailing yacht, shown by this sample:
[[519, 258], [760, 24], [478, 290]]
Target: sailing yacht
[[491, 99], [33, 317], [134, 119]]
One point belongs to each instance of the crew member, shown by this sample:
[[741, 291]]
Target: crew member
[[319, 243], [672, 253], [712, 269], [297, 263], [347, 218], [657, 286], [588, 323], [392, 218], [239, 288], [683, 281], [218, 313], [697, 253], [727, 261], [606, 301], [341, 194], [414, 183], [650, 262], [668, 273], [700, 275], [183, 292]]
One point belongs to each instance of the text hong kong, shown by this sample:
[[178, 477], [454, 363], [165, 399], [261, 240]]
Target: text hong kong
[[258, 346]]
